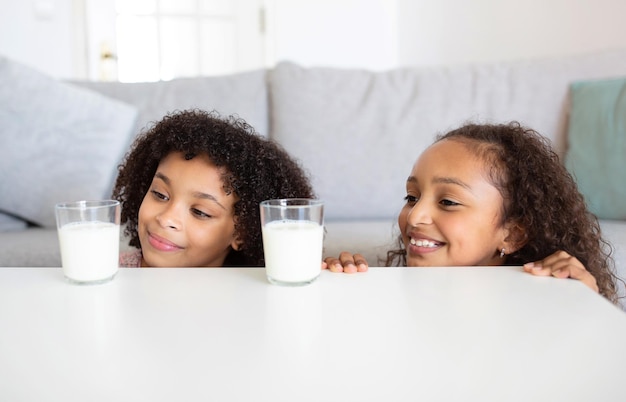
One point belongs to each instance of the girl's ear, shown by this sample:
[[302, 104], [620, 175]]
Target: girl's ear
[[236, 243], [515, 239]]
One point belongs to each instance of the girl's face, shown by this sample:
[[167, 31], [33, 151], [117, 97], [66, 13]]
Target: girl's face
[[452, 215], [186, 218]]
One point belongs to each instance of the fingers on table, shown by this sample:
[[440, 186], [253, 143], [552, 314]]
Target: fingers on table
[[347, 262], [562, 265]]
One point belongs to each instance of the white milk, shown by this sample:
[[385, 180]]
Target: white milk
[[293, 250], [89, 250]]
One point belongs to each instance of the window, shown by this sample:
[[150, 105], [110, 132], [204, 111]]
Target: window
[[165, 39]]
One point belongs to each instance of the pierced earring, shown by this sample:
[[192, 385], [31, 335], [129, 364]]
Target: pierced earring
[[502, 252]]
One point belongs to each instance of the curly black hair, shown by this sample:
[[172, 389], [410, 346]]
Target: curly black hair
[[255, 169], [540, 196]]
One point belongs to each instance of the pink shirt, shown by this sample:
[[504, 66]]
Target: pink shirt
[[130, 259]]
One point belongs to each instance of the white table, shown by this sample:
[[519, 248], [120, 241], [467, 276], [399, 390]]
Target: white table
[[392, 334]]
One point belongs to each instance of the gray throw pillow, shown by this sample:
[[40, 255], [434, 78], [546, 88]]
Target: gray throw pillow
[[59, 142]]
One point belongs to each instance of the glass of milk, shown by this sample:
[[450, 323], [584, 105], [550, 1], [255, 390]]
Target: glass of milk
[[293, 236], [89, 238]]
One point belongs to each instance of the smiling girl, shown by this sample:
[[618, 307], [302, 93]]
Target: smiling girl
[[190, 189], [497, 195]]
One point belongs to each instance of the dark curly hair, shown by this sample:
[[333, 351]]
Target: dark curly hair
[[256, 169], [540, 196]]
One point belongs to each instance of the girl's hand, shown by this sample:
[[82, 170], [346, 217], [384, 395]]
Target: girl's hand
[[347, 262], [562, 265]]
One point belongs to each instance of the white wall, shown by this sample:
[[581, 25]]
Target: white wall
[[373, 34], [338, 33], [433, 32], [42, 34]]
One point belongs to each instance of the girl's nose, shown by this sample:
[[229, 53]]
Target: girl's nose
[[169, 218], [419, 214]]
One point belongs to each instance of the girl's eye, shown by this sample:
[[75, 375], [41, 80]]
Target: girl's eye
[[448, 203], [410, 199], [158, 195], [199, 213]]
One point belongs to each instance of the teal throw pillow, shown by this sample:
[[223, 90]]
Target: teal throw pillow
[[596, 156]]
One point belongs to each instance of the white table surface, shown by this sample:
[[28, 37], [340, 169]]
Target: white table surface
[[392, 334]]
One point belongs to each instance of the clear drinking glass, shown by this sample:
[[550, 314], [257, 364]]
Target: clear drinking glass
[[293, 236], [89, 238]]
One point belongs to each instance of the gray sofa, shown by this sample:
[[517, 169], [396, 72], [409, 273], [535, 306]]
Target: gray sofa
[[357, 132]]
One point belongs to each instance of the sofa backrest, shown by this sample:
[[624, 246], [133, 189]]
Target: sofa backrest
[[359, 132], [241, 94]]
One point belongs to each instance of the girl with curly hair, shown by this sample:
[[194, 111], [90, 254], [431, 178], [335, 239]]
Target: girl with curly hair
[[497, 195], [190, 189]]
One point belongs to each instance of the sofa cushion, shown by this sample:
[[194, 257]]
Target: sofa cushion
[[359, 132], [59, 143], [597, 144], [370, 238], [34, 247], [10, 223], [614, 232]]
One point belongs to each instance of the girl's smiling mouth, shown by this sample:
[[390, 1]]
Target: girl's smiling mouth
[[162, 244], [424, 243], [420, 245]]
